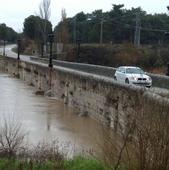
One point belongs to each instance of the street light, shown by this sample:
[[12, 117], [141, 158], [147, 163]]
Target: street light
[[51, 39], [19, 44]]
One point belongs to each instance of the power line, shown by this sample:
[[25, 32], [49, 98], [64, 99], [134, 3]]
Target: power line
[[138, 28], [132, 27], [153, 30]]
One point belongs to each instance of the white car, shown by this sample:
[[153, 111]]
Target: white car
[[132, 75]]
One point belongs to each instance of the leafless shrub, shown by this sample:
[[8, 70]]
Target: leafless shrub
[[13, 145], [144, 145], [11, 138], [46, 151], [151, 140]]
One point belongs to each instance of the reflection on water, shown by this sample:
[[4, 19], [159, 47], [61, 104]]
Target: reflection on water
[[47, 119]]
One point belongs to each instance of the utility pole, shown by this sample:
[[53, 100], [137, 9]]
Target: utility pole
[[137, 31]]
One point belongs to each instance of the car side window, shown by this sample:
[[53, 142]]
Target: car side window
[[119, 69]]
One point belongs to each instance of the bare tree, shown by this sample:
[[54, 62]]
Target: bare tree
[[64, 15], [45, 12], [62, 30], [44, 9]]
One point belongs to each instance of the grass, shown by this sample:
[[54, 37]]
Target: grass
[[77, 163]]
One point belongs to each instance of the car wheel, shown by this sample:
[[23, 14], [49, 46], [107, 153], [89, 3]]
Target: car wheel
[[115, 78], [127, 81]]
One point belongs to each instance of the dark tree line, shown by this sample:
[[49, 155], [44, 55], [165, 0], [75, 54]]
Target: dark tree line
[[118, 25], [7, 33], [33, 28], [115, 26], [36, 29]]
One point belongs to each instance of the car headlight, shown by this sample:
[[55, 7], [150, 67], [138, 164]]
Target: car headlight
[[134, 78]]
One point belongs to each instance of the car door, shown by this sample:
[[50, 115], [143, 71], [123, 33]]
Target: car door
[[123, 75], [117, 74]]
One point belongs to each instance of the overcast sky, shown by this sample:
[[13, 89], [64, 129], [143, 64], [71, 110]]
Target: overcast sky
[[13, 12]]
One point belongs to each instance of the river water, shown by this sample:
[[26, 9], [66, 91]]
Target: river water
[[46, 119]]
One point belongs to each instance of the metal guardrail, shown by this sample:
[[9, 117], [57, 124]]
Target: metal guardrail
[[89, 68]]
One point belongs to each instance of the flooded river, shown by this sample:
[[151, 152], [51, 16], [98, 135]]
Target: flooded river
[[46, 119]]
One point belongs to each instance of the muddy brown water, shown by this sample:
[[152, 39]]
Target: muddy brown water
[[47, 119]]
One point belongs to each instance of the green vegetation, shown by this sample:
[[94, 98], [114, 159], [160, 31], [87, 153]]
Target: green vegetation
[[78, 163], [7, 33], [33, 28], [118, 26], [152, 58]]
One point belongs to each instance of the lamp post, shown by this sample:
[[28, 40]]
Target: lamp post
[[4, 48], [19, 44], [51, 39]]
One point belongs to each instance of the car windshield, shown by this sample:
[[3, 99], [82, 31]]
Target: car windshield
[[134, 71]]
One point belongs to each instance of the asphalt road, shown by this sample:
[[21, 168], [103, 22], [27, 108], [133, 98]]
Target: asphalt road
[[10, 53]]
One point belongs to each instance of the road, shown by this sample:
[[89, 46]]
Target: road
[[10, 53]]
